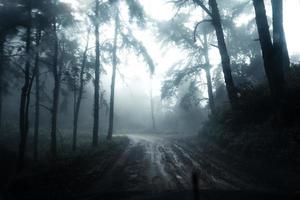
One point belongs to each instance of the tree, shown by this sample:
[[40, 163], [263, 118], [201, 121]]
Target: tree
[[273, 68], [216, 21], [208, 75], [80, 93], [11, 17], [2, 42], [113, 78], [135, 12], [97, 77], [197, 51], [55, 96], [37, 89], [25, 94], [60, 16], [279, 42], [152, 104]]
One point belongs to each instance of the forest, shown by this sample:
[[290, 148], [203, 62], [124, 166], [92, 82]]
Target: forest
[[149, 99]]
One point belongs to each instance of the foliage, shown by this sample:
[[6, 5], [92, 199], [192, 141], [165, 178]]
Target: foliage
[[258, 129], [130, 42]]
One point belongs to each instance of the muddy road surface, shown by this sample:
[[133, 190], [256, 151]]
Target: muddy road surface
[[156, 164]]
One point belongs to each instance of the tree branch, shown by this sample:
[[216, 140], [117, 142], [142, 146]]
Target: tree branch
[[201, 4], [46, 107]]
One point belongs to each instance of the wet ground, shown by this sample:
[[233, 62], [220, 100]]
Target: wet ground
[[156, 163], [152, 167]]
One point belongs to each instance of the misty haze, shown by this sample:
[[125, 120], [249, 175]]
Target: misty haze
[[149, 99]]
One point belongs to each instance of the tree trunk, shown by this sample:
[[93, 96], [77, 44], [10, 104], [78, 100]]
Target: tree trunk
[[55, 100], [216, 20], [152, 106], [208, 77], [273, 69], [113, 81], [23, 120], [80, 91], [97, 79], [1, 76], [279, 42], [37, 96]]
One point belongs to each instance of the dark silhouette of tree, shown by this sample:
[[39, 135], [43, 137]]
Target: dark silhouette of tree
[[60, 16], [38, 36], [273, 68], [97, 77], [208, 75], [279, 42], [25, 94], [113, 78], [216, 21], [152, 104], [80, 93], [1, 72]]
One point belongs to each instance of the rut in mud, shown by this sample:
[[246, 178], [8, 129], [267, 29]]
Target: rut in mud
[[153, 163]]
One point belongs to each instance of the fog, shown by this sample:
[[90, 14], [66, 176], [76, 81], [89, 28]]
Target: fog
[[138, 98]]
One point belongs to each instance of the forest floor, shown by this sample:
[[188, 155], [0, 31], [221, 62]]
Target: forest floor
[[140, 166], [154, 164]]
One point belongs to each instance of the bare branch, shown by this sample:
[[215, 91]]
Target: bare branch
[[196, 27], [201, 4], [214, 45], [46, 107]]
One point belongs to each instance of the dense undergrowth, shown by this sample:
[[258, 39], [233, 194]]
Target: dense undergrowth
[[259, 129]]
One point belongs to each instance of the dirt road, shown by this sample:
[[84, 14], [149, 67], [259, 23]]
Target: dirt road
[[156, 163]]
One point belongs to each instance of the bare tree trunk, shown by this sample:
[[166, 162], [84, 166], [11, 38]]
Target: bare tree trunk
[[97, 79], [37, 95], [1, 76], [216, 20], [113, 81], [152, 105], [24, 94], [273, 69], [79, 98], [208, 77], [55, 99], [75, 117], [279, 42]]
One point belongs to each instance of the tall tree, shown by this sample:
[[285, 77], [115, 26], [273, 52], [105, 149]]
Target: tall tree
[[135, 12], [80, 93], [55, 100], [11, 17], [216, 20], [279, 42], [2, 41], [214, 13], [152, 104], [273, 68], [208, 75], [37, 90], [97, 77], [113, 78], [60, 16], [24, 102]]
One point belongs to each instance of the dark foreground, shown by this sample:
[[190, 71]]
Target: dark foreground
[[151, 167]]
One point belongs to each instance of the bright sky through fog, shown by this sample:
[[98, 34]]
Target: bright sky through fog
[[161, 10], [291, 25]]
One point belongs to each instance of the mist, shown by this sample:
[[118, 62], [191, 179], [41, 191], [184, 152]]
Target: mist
[[136, 99]]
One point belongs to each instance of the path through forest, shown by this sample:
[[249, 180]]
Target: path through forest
[[165, 163]]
